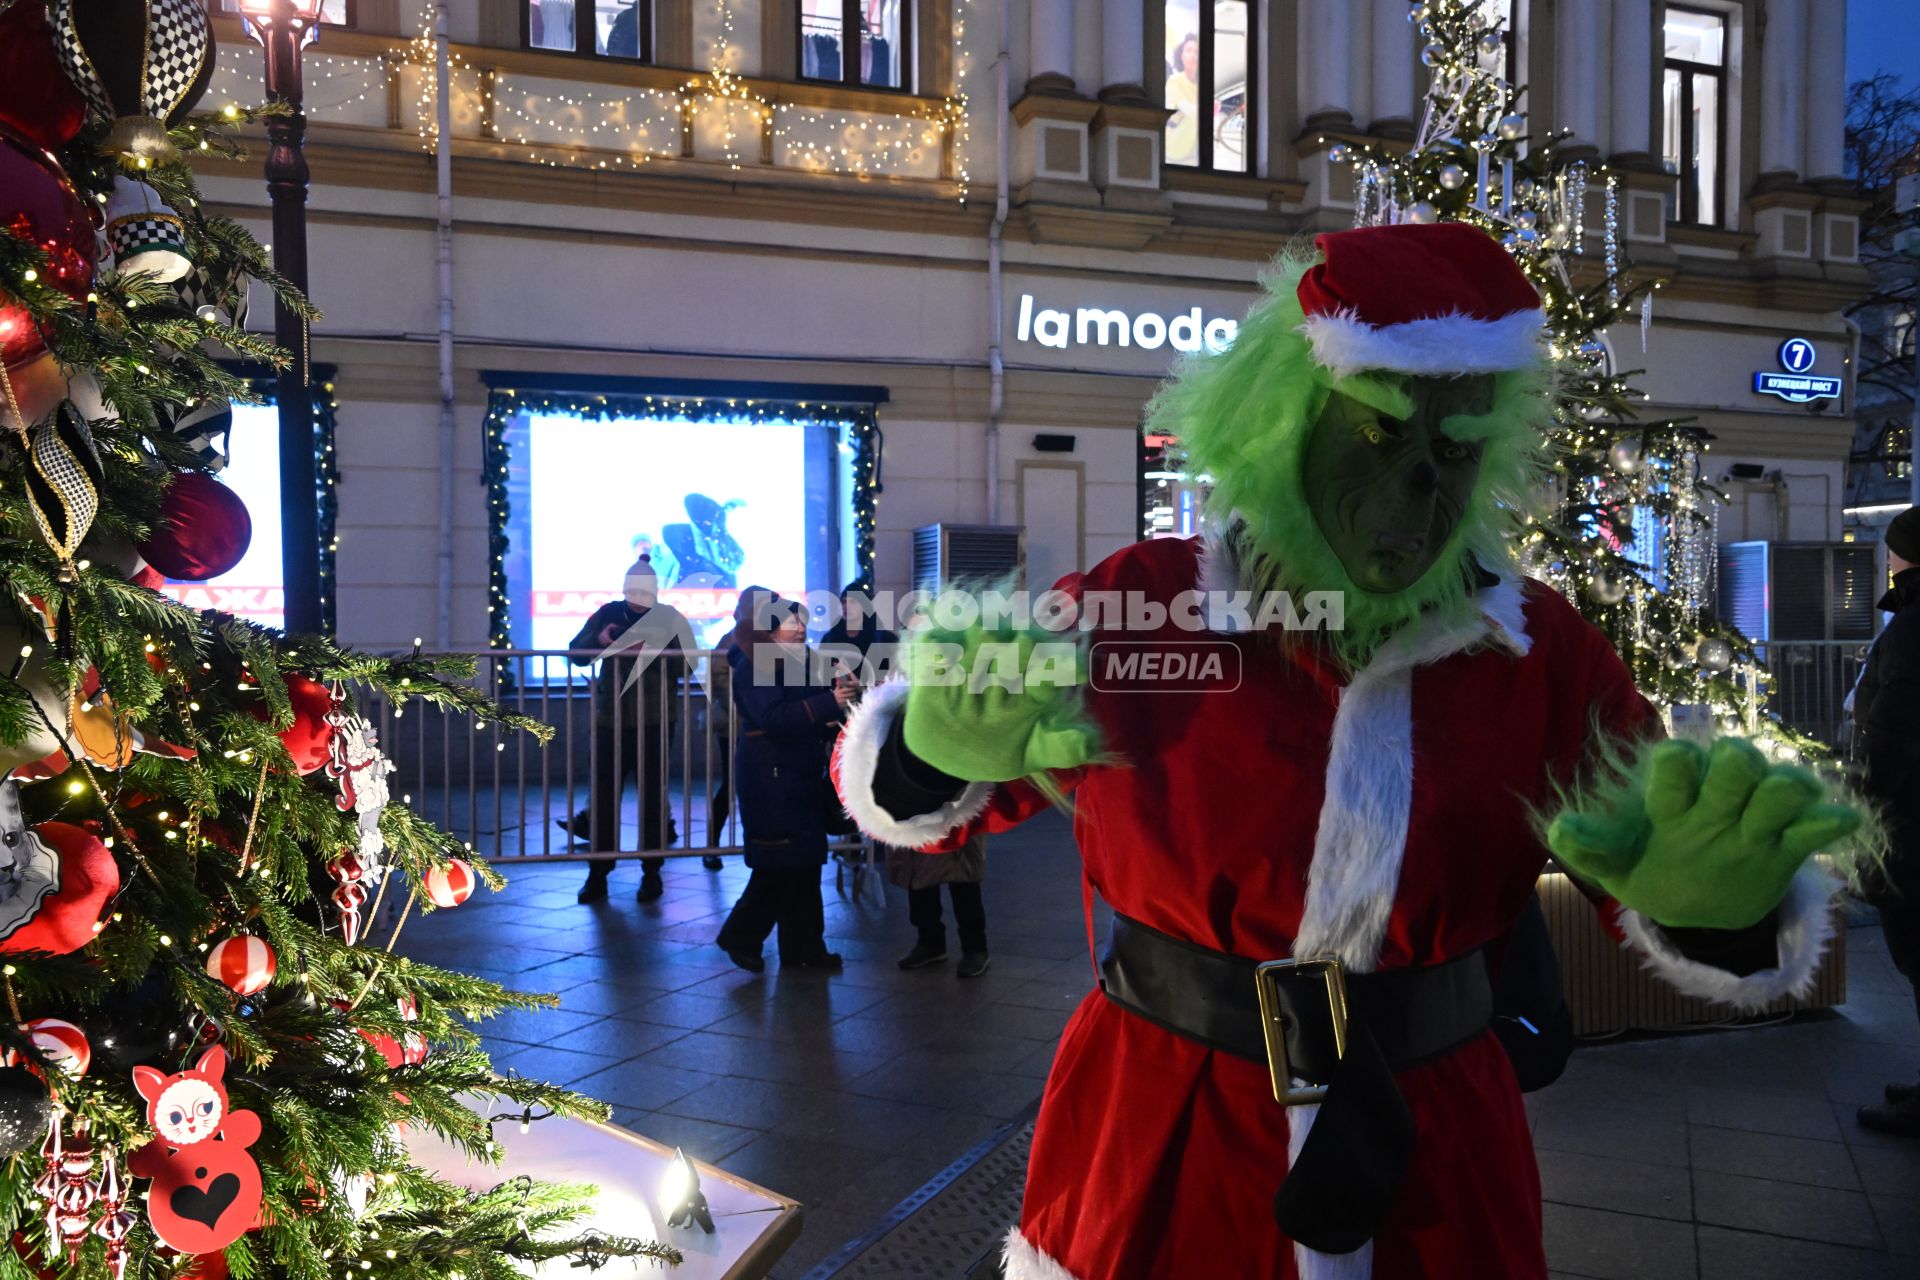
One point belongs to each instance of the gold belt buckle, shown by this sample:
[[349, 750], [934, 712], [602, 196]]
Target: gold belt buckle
[[1266, 980]]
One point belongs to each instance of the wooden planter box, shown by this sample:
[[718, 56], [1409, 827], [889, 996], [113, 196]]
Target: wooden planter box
[[1610, 990]]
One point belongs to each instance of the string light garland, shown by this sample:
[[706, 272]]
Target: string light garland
[[1631, 537], [857, 422], [613, 128]]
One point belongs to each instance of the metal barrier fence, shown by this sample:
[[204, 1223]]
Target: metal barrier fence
[[661, 739], [641, 761], [1811, 681]]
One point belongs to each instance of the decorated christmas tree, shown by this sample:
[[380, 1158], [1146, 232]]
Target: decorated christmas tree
[[213, 1064], [1630, 536]]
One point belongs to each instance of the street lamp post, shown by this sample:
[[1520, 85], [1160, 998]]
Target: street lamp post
[[283, 28]]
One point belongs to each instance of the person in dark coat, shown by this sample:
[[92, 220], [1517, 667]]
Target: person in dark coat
[[1886, 709], [786, 722], [633, 708], [921, 875]]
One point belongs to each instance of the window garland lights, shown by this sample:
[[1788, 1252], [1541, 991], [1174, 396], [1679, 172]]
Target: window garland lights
[[858, 423], [612, 128]]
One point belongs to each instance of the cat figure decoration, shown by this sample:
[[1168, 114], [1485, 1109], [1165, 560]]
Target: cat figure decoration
[[206, 1186]]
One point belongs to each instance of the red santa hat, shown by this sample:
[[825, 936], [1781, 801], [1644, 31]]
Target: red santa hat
[[1438, 298]]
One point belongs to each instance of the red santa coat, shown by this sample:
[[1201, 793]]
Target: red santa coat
[[1384, 819]]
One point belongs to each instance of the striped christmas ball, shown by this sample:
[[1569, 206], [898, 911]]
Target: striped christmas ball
[[63, 1043], [451, 885], [243, 962]]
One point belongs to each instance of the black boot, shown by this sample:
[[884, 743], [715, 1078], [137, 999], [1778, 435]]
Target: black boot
[[1903, 1092], [1901, 1119], [595, 889], [712, 862], [651, 886]]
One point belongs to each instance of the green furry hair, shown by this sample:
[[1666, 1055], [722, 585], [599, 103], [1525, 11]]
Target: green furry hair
[[1243, 418]]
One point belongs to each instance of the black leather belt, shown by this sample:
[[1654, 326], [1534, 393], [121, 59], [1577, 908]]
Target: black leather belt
[[1344, 1035], [1415, 1015]]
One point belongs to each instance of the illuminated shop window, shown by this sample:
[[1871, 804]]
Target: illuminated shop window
[[596, 28], [857, 42], [1210, 84], [1694, 95]]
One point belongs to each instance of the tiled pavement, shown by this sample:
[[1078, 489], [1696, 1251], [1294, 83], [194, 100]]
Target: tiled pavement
[[1716, 1155]]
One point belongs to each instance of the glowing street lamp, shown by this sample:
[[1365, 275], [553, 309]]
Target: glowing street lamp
[[283, 28]]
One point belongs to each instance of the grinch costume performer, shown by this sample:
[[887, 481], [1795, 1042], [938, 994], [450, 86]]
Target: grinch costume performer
[[1315, 858]]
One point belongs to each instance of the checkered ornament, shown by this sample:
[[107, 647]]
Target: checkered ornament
[[178, 42], [63, 480], [202, 429]]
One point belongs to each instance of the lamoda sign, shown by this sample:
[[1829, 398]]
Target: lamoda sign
[[1185, 331]]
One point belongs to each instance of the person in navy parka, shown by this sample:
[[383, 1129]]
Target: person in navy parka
[[787, 726]]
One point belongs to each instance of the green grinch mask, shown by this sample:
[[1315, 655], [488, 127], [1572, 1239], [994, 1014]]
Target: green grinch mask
[[1389, 469], [1248, 418]]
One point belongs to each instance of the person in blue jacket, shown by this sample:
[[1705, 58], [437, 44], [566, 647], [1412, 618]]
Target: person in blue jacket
[[787, 723]]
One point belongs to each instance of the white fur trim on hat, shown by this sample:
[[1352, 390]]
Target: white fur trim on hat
[[859, 753], [1454, 344], [1806, 927]]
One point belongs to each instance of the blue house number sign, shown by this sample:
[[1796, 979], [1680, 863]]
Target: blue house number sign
[[1797, 384]]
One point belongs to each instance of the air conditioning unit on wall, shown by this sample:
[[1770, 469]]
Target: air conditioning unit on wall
[[970, 555], [1799, 590]]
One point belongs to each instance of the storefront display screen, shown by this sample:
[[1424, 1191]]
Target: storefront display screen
[[717, 506]]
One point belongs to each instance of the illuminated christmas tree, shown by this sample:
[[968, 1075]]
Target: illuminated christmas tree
[[1630, 534], [209, 1062]]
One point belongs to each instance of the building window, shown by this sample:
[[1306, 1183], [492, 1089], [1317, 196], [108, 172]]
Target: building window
[[863, 43], [1694, 94], [598, 28], [1504, 61], [1210, 84], [333, 13]]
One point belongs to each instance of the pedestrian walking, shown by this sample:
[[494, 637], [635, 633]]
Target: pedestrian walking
[[1886, 706], [922, 875], [786, 722]]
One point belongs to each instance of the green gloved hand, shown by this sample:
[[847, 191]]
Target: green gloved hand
[[992, 705], [1703, 839]]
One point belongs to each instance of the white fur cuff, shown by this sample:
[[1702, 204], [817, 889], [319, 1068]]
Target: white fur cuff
[[1021, 1261], [859, 750], [1806, 927]]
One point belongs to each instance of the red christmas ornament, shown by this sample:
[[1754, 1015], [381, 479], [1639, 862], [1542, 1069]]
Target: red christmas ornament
[[38, 204], [204, 529], [64, 1044], [307, 737], [243, 962], [413, 1045], [37, 101], [385, 1045], [65, 877], [451, 885]]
